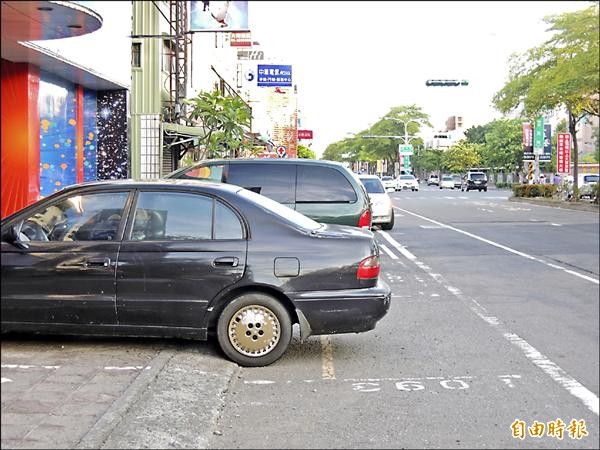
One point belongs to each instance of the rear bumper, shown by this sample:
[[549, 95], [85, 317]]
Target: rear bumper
[[341, 311]]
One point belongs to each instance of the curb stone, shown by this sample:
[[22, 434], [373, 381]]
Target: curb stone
[[579, 206], [179, 408]]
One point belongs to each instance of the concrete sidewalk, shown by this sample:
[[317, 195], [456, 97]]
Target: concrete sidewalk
[[111, 393]]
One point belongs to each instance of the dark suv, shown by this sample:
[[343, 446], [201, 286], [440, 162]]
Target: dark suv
[[474, 181], [325, 191]]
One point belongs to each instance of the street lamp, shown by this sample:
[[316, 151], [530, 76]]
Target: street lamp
[[406, 137]]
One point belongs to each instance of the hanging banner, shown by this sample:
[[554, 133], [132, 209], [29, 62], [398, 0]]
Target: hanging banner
[[528, 142], [563, 153], [547, 155]]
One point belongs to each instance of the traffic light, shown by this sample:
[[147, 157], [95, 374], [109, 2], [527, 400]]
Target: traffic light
[[446, 83]]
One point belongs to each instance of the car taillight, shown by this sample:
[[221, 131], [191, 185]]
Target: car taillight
[[368, 268], [365, 219]]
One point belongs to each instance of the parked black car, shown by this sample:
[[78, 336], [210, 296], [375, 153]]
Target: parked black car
[[180, 258], [474, 181]]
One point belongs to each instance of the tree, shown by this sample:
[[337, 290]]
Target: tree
[[461, 156], [562, 72], [305, 152], [224, 120], [404, 120], [503, 145], [476, 134]]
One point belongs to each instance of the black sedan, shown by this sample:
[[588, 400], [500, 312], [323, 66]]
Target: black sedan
[[182, 258]]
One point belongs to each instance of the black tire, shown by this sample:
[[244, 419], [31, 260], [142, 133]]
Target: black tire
[[389, 225], [484, 189], [258, 343], [440, 187]]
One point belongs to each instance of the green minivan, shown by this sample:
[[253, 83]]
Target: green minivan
[[325, 191]]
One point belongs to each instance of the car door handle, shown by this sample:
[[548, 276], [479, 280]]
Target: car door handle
[[100, 262], [229, 261]]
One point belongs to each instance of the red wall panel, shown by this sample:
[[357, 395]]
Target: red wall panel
[[20, 129]]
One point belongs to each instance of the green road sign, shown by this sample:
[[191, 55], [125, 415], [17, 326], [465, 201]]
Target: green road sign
[[538, 136], [405, 149]]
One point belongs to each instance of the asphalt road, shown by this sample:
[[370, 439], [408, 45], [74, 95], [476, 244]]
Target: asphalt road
[[493, 327]]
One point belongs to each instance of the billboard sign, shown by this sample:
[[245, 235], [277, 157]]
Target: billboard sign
[[405, 149], [563, 153], [274, 75], [305, 134], [240, 39], [218, 16], [528, 142]]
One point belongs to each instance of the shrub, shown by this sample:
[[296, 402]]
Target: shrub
[[534, 190], [503, 185]]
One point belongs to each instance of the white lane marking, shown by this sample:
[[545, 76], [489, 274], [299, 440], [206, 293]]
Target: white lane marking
[[556, 224], [258, 382], [399, 247], [430, 227], [27, 366], [555, 372], [388, 251], [5, 380], [327, 369], [495, 244], [127, 368], [508, 379]]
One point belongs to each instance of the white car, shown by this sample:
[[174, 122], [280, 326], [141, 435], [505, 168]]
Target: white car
[[388, 183], [447, 182], [407, 182], [381, 203]]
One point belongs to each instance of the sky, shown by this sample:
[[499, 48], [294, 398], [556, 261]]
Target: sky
[[354, 60]]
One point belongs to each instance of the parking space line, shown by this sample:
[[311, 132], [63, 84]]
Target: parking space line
[[327, 369], [560, 376]]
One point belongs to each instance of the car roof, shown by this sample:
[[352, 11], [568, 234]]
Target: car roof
[[317, 162], [162, 182]]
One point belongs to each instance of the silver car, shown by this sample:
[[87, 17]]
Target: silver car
[[381, 203]]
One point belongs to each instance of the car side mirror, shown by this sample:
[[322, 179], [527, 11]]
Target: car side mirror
[[12, 237]]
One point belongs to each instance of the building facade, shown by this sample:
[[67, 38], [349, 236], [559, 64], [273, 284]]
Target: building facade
[[61, 123]]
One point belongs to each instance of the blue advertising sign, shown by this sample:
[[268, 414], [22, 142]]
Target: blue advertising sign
[[274, 75], [547, 155]]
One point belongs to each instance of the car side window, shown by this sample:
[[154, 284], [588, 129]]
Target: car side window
[[88, 217], [177, 216], [276, 181], [211, 172], [323, 185]]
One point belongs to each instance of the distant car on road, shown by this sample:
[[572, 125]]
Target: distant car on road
[[586, 182], [407, 182], [474, 181], [381, 203], [184, 258], [457, 180], [447, 182], [388, 183], [433, 180]]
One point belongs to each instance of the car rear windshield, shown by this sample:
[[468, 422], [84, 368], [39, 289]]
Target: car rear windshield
[[590, 178], [407, 177], [373, 185], [282, 211], [447, 178], [477, 176]]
